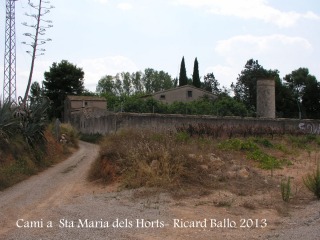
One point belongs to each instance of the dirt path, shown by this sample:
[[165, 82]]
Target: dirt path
[[60, 204], [40, 196]]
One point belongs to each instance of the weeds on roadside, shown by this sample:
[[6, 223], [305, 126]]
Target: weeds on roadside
[[71, 134], [312, 182], [254, 152], [150, 159], [285, 187]]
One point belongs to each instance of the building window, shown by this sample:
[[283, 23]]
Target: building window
[[189, 94], [162, 97]]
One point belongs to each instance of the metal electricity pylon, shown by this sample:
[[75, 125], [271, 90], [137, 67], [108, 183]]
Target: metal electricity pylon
[[9, 82]]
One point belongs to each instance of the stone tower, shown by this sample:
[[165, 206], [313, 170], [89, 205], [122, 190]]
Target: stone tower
[[266, 100]]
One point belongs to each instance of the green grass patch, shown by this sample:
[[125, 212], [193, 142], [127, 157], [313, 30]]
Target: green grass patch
[[237, 144], [267, 161], [182, 137], [263, 142], [251, 147]]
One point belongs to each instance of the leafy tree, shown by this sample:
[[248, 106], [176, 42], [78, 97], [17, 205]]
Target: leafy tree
[[106, 85], [195, 76], [155, 81], [245, 89], [305, 90], [211, 84], [61, 80], [183, 79], [35, 91], [127, 83], [136, 79], [286, 105], [311, 98], [135, 83]]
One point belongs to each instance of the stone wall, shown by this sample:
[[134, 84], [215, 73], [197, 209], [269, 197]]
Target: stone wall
[[105, 123]]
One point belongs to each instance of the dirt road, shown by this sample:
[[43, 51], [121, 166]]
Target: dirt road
[[60, 204], [38, 199]]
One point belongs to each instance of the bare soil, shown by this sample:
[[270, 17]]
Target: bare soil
[[55, 204]]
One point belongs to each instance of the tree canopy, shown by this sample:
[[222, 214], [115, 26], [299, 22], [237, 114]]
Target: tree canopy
[[61, 80], [245, 89], [195, 76], [211, 84], [183, 79], [305, 91], [146, 82]]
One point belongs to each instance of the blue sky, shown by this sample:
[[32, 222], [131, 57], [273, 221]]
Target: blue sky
[[110, 36]]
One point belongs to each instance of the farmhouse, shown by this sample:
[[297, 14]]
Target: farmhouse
[[86, 104], [186, 93]]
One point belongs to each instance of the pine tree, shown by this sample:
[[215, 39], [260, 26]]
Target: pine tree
[[183, 80], [195, 77]]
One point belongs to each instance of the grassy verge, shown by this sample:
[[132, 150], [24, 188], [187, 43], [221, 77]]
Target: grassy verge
[[18, 160], [176, 161], [150, 159], [254, 150]]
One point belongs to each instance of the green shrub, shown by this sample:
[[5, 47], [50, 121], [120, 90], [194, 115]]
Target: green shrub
[[264, 142], [71, 133], [237, 144], [266, 161], [312, 182], [285, 187], [182, 137]]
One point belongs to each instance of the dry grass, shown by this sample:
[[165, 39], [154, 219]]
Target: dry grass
[[206, 172], [174, 161], [18, 161], [148, 159]]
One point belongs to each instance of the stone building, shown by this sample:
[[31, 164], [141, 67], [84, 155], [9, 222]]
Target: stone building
[[86, 104], [186, 93]]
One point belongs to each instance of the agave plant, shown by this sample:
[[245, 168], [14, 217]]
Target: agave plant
[[33, 121], [9, 125]]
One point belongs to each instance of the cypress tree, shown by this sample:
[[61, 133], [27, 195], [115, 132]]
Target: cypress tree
[[195, 77], [183, 80]]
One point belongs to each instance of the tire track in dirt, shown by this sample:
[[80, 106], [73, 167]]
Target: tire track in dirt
[[31, 198]]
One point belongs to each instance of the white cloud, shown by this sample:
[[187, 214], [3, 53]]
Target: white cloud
[[250, 9], [255, 45], [96, 68], [276, 51], [224, 74], [125, 6]]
